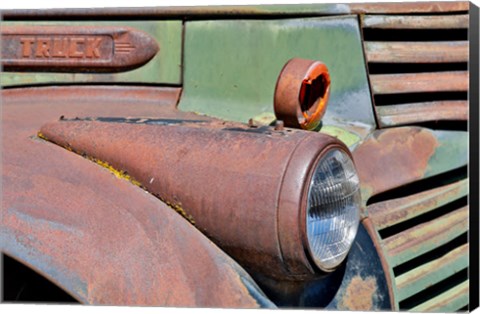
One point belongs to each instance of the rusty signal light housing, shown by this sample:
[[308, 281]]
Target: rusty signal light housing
[[223, 177], [301, 93]]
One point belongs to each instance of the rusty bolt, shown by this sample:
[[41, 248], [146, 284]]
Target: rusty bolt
[[301, 93], [279, 125]]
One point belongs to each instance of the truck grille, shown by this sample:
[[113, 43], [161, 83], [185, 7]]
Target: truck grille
[[417, 67], [424, 239], [418, 73]]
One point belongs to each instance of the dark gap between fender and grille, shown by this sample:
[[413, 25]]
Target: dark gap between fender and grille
[[398, 68], [426, 13], [421, 185], [434, 290], [428, 216], [21, 284], [463, 309], [373, 34], [431, 255], [444, 125], [396, 99]]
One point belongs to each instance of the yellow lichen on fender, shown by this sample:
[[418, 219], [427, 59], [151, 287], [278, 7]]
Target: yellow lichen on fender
[[178, 208], [118, 173], [42, 136]]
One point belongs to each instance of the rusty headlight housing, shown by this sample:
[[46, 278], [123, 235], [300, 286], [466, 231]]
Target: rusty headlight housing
[[333, 209], [260, 194]]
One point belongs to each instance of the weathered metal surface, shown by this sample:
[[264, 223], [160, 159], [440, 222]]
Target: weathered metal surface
[[103, 240], [387, 270], [391, 212], [75, 48], [364, 286], [416, 52], [415, 241], [163, 68], [301, 93], [429, 274], [244, 11], [260, 178], [447, 151], [51, 102], [216, 86], [449, 301], [415, 21], [455, 81], [407, 154], [410, 7], [337, 290], [393, 115], [190, 12]]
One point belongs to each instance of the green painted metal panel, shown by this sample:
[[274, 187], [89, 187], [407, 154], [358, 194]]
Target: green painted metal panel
[[451, 152], [164, 68], [231, 67]]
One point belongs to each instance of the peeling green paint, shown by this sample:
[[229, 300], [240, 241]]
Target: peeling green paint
[[265, 118], [231, 66], [348, 138], [451, 152]]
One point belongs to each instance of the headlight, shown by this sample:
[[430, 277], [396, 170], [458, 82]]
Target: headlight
[[333, 210], [282, 203]]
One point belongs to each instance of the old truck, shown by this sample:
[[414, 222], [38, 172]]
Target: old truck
[[252, 156]]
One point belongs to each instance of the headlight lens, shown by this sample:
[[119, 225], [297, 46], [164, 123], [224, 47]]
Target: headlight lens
[[333, 209]]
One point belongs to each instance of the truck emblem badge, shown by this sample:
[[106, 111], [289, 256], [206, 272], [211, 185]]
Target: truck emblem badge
[[75, 48]]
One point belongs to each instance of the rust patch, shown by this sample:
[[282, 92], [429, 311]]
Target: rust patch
[[122, 174], [101, 239], [402, 154], [75, 48], [359, 294]]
